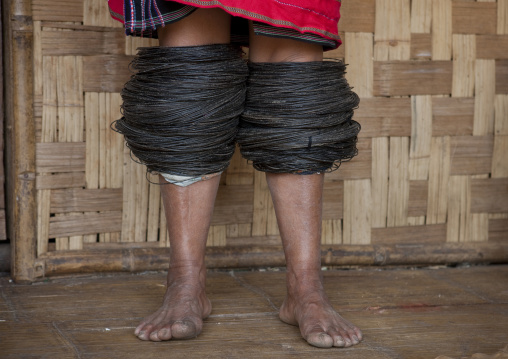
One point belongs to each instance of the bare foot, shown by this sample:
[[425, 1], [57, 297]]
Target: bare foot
[[181, 315], [308, 307]]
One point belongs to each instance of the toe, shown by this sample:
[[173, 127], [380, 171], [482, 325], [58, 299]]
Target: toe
[[184, 329], [145, 332], [139, 328], [359, 334], [337, 337], [144, 335], [355, 339], [339, 342], [164, 334], [353, 334], [145, 328], [350, 333], [319, 338], [349, 343], [154, 337]]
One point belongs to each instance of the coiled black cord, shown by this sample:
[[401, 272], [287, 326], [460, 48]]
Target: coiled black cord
[[181, 108], [298, 117]]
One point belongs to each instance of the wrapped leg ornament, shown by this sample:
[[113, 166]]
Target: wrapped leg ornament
[[298, 117], [181, 108]]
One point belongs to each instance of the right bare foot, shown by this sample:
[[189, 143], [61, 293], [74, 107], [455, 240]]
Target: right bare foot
[[181, 315]]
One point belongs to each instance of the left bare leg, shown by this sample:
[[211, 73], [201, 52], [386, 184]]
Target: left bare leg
[[298, 206]]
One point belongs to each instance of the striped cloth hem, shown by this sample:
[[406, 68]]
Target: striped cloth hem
[[143, 17], [267, 30], [144, 20]]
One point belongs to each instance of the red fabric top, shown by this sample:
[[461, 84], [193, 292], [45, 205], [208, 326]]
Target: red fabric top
[[316, 16]]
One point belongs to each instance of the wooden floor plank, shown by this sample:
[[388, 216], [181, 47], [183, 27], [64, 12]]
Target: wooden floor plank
[[409, 314], [454, 331], [392, 288], [36, 341], [233, 337], [7, 312], [489, 283]]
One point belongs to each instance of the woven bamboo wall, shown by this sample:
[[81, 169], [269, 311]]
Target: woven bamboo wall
[[432, 167]]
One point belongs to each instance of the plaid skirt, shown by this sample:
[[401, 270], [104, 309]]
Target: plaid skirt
[[313, 21]]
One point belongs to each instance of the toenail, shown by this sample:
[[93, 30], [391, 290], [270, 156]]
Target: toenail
[[355, 339]]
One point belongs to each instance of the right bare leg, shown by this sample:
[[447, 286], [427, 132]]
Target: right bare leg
[[188, 210]]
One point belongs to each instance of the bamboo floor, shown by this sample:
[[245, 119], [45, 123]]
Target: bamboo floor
[[404, 313]]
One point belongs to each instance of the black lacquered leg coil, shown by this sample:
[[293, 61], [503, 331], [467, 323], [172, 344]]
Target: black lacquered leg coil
[[181, 108], [298, 117]]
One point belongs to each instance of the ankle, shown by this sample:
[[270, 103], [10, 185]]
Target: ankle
[[189, 272], [304, 281]]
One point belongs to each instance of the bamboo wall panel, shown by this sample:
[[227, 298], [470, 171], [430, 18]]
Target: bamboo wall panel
[[432, 166]]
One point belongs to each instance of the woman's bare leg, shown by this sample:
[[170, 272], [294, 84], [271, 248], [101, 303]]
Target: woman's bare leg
[[298, 205], [188, 211]]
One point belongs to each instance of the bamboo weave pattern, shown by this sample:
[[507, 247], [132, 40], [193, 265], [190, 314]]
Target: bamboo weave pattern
[[432, 76]]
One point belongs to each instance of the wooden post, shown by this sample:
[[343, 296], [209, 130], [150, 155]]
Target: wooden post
[[3, 233], [5, 257], [20, 138], [108, 259]]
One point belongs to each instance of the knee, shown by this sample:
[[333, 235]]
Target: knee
[[202, 27], [272, 49], [292, 53]]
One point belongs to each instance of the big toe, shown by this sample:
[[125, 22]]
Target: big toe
[[320, 339], [184, 329]]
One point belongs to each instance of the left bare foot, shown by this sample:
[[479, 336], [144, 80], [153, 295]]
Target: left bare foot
[[308, 307]]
